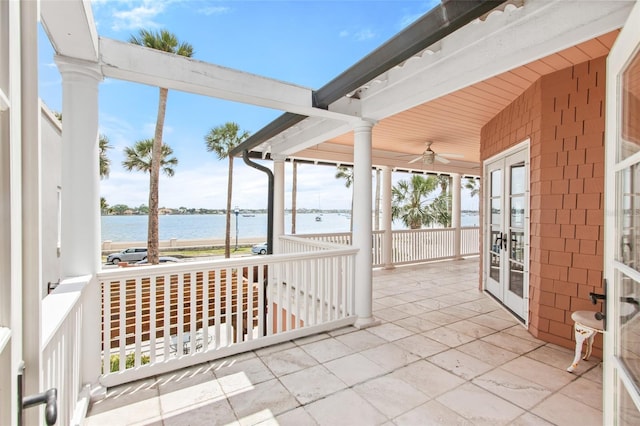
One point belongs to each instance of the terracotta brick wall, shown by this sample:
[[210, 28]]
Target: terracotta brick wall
[[563, 115]]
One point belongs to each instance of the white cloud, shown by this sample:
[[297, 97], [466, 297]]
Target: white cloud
[[213, 10], [344, 33], [364, 34]]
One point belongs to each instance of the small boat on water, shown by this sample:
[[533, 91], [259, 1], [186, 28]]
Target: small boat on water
[[248, 215], [318, 218]]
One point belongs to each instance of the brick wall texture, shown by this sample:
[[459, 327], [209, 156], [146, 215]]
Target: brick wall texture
[[563, 116]]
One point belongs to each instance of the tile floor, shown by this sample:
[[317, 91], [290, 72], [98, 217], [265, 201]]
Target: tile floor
[[444, 354]]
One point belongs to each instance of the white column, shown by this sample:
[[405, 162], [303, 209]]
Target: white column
[[80, 217], [455, 213], [362, 233], [387, 237], [31, 208], [80, 239], [278, 200]]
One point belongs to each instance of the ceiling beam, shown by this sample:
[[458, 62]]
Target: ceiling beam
[[315, 131], [138, 64], [70, 27]]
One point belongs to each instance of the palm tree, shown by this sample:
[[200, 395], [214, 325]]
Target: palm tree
[[105, 163], [441, 208], [346, 173], [140, 157], [473, 185], [221, 140], [409, 200], [166, 42], [104, 207]]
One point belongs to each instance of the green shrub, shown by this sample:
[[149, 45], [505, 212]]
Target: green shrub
[[130, 361]]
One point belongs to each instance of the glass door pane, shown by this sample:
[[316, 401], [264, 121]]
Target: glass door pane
[[621, 380], [495, 249], [516, 229]]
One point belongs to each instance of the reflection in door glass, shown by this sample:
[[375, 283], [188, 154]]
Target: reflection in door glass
[[628, 181], [496, 183], [517, 246], [629, 325], [517, 179], [627, 410], [494, 254], [517, 211], [495, 211], [630, 137], [516, 278]]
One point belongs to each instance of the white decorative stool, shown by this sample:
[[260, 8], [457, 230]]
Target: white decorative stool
[[586, 326]]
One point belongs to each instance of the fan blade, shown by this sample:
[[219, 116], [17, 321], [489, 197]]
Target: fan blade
[[451, 155], [416, 159], [442, 159]]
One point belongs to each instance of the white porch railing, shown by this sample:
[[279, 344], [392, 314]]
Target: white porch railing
[[161, 318], [470, 241], [413, 245], [62, 323]]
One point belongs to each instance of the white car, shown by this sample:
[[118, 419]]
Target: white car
[[134, 254], [259, 248]]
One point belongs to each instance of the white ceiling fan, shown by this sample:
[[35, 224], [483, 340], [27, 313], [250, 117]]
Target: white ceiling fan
[[429, 156]]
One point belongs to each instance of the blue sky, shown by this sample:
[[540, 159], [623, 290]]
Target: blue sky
[[302, 42]]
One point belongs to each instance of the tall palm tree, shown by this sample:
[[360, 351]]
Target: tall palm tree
[[167, 42], [409, 200], [221, 140], [346, 173], [105, 163]]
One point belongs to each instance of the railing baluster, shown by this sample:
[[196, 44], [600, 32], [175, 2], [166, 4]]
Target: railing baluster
[[152, 318], [138, 319], [205, 310], [217, 303], [122, 336]]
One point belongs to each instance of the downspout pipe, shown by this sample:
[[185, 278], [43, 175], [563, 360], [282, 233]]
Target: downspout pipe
[[248, 162]]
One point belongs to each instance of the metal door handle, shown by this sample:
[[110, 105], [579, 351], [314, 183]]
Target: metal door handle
[[597, 296]]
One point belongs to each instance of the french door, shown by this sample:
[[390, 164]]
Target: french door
[[622, 229], [506, 241]]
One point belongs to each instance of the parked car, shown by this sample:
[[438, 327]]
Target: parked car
[[161, 259], [134, 254], [259, 248]]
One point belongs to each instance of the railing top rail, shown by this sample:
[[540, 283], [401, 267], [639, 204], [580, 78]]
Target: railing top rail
[[306, 241], [196, 266], [321, 234], [57, 305]]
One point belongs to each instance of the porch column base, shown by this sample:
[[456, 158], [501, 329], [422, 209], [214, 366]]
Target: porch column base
[[362, 323], [387, 267]]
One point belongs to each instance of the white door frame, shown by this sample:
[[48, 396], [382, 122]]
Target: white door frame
[[617, 380], [500, 290]]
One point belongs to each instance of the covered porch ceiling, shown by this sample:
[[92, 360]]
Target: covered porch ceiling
[[453, 122]]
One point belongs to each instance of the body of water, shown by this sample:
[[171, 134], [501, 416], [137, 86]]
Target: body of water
[[212, 226]]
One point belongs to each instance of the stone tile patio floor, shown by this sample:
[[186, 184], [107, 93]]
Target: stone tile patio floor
[[445, 353]]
